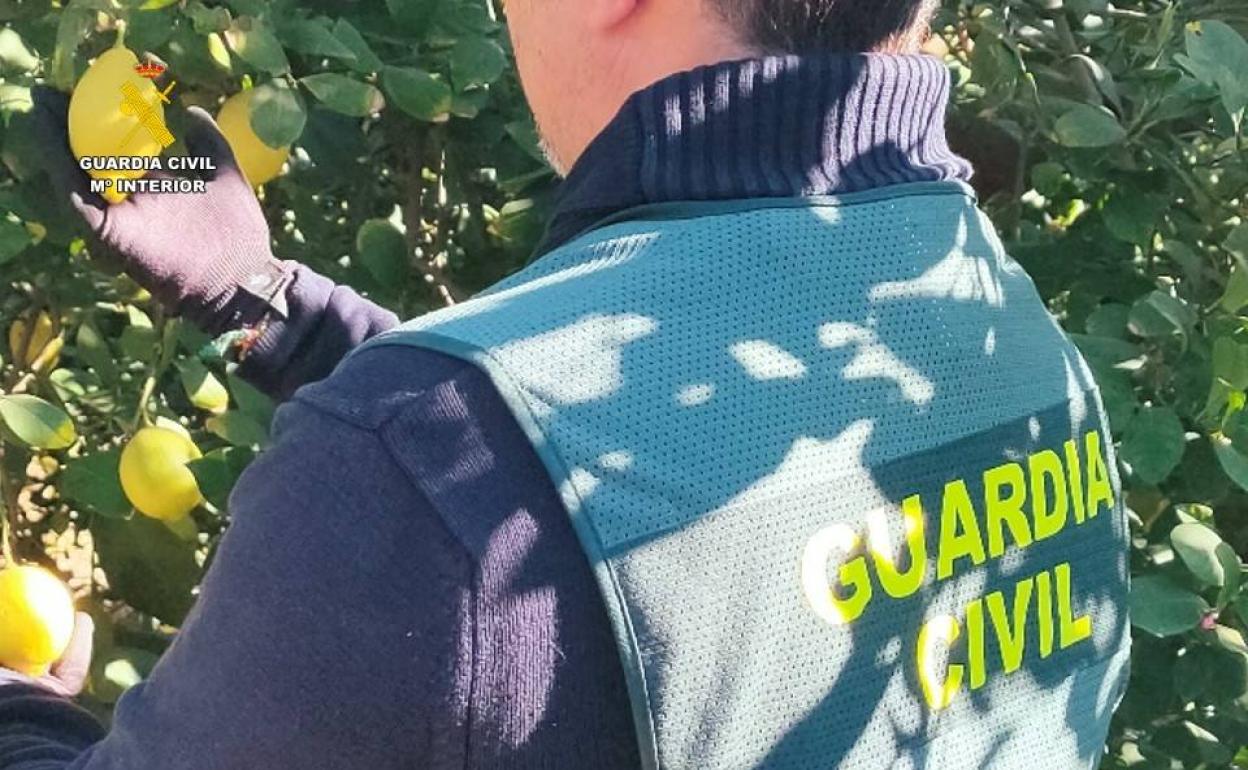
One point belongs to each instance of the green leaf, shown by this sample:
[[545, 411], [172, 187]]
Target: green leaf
[[148, 566], [238, 429], [1161, 315], [94, 481], [139, 343], [1236, 295], [345, 94], [1199, 546], [1233, 574], [278, 114], [996, 67], [202, 387], [363, 60], [34, 423], [70, 32], [1153, 444], [1088, 126], [14, 238], [1230, 362], [206, 20], [1109, 320], [93, 349], [70, 385], [313, 37], [524, 133], [1237, 244], [14, 55], [462, 18], [412, 15], [418, 93], [251, 402], [217, 472], [476, 61], [1103, 78], [1118, 395], [149, 30], [1164, 608], [468, 104], [250, 7], [1106, 351], [1218, 55], [1232, 461], [1133, 217], [256, 44], [384, 252]]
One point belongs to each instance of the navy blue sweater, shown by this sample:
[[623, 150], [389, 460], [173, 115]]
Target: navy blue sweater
[[400, 587]]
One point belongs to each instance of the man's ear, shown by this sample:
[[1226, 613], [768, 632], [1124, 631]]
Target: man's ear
[[606, 14]]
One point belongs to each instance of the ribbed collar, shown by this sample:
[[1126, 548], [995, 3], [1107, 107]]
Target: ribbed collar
[[781, 126]]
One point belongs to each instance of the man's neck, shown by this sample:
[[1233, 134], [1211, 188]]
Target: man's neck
[[777, 126]]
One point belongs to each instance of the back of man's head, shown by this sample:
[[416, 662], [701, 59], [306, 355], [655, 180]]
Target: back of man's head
[[801, 26], [579, 60]]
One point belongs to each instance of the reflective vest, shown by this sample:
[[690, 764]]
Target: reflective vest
[[848, 491]]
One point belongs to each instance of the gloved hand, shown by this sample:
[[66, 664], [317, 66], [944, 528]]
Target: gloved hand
[[195, 252], [69, 674]]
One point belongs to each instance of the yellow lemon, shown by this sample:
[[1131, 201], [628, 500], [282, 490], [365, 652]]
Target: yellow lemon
[[99, 123], [19, 333], [45, 328], [36, 619], [260, 163], [154, 475]]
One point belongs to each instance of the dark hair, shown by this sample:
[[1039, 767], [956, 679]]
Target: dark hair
[[801, 26]]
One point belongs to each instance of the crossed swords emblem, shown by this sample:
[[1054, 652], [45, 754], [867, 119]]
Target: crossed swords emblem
[[133, 103]]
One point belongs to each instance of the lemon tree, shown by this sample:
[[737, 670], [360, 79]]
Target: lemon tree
[[391, 150]]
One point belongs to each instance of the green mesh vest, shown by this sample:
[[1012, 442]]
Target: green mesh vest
[[847, 490]]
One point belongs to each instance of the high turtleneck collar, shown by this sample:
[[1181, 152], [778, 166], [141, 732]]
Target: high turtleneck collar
[[782, 126]]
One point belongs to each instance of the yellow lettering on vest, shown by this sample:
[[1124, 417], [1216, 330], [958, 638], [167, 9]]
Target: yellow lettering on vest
[[1072, 630], [1099, 487], [975, 645], [897, 583], [1074, 473], [1044, 611], [1049, 514], [959, 530], [938, 633], [835, 541], [1011, 635], [1005, 510]]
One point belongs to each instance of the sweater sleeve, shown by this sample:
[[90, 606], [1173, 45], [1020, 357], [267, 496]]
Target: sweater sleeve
[[319, 323], [329, 632]]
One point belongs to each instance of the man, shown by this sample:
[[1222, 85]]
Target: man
[[773, 459]]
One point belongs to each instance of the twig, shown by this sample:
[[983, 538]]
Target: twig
[[6, 526], [413, 220]]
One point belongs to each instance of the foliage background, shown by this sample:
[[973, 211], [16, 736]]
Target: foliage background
[[1109, 146]]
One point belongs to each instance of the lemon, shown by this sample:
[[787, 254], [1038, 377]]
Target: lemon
[[44, 329], [260, 163], [36, 619], [19, 333], [98, 126], [154, 475]]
